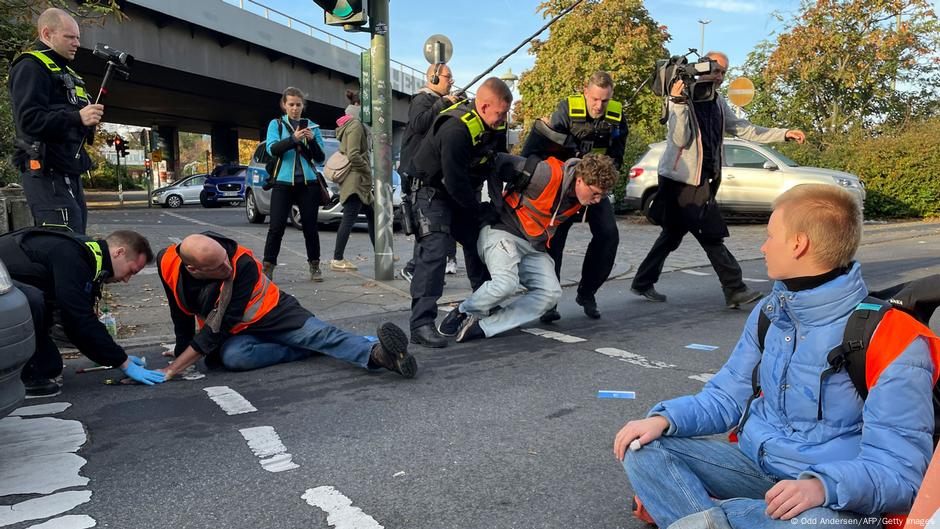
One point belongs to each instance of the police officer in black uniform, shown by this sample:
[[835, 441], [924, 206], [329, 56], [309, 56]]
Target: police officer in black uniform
[[593, 123], [453, 161], [63, 271], [54, 119]]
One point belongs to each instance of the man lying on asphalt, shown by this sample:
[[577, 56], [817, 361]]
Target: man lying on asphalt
[[246, 322]]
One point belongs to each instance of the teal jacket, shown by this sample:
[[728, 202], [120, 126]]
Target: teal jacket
[[282, 145]]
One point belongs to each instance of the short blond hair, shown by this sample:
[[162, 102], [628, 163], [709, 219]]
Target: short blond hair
[[829, 216], [597, 170]]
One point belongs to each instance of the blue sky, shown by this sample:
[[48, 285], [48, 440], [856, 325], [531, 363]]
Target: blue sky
[[484, 30]]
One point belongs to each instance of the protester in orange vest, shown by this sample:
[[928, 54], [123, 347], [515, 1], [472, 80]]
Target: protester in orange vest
[[245, 322], [540, 199], [811, 451]]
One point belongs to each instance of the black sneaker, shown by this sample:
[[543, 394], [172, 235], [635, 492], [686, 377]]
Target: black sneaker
[[650, 294], [470, 330], [741, 297], [551, 315], [451, 323], [590, 306], [41, 387], [392, 351]]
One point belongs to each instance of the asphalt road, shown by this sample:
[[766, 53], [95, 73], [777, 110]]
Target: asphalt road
[[506, 432]]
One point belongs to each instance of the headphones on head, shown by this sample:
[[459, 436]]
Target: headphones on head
[[436, 76]]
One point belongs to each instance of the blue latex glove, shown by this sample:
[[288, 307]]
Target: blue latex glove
[[139, 360], [142, 375]]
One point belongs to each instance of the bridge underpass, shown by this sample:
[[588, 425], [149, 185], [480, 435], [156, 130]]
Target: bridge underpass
[[209, 67]]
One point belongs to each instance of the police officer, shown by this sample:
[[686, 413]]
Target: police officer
[[593, 123], [59, 270], [452, 162], [54, 118], [424, 107]]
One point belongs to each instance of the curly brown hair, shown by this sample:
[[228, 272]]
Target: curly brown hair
[[597, 170]]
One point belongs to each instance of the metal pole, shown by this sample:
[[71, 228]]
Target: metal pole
[[703, 22], [120, 180], [382, 142]]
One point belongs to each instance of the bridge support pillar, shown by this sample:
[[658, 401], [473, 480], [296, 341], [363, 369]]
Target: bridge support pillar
[[224, 144], [168, 144]]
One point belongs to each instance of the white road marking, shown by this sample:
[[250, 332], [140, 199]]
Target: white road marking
[[71, 521], [41, 409], [177, 240], [552, 335], [755, 280], [229, 400], [632, 358], [266, 444], [694, 273], [39, 455], [701, 347], [704, 377], [43, 507], [339, 510]]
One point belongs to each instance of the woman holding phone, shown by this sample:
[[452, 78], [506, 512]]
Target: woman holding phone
[[296, 144]]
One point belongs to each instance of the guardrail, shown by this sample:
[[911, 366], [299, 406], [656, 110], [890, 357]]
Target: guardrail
[[404, 78]]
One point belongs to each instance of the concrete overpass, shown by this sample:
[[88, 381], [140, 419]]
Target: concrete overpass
[[212, 67]]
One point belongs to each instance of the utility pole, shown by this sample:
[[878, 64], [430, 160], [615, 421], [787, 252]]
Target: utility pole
[[703, 22], [382, 141]]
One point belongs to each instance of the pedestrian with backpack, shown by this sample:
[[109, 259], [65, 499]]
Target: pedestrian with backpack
[[355, 191], [296, 145], [811, 449]]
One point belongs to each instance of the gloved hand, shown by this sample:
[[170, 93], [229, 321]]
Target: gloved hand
[[488, 214], [142, 375], [139, 360]]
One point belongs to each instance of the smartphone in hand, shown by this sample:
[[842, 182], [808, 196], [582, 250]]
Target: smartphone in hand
[[304, 123]]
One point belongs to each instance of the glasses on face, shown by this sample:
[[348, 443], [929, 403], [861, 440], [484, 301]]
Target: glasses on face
[[208, 269], [596, 193], [445, 75]]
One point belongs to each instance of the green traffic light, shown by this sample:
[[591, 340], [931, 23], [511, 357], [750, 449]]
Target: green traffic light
[[342, 9]]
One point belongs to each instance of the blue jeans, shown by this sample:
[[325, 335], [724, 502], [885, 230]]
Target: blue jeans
[[246, 351], [677, 478], [512, 262]]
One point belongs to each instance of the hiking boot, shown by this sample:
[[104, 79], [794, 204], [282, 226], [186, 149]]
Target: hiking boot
[[428, 336], [451, 266], [650, 294], [41, 387], [343, 265], [267, 268], [315, 273], [590, 306], [551, 315], [451, 323], [741, 297], [470, 330], [392, 351]]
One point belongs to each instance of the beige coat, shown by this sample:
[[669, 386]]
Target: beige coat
[[354, 143]]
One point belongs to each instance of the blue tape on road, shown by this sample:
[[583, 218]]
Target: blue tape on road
[[701, 347], [616, 394]]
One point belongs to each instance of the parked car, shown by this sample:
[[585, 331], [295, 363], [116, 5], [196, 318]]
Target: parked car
[[752, 176], [17, 342], [226, 185], [258, 201], [186, 190]]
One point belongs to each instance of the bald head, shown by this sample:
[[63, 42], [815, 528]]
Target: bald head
[[204, 257], [493, 101], [58, 30]]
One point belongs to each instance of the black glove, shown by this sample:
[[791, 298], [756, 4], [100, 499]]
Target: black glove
[[488, 214]]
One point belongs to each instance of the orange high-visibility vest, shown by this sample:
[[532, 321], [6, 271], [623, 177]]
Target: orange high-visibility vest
[[264, 295], [539, 217]]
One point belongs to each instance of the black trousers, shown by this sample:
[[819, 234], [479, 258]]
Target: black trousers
[[56, 198], [725, 265], [46, 361], [447, 223], [307, 199], [601, 251], [351, 209]]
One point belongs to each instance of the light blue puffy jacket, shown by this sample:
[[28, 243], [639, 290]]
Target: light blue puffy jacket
[[870, 455], [283, 145]]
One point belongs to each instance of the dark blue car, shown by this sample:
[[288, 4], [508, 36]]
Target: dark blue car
[[226, 185]]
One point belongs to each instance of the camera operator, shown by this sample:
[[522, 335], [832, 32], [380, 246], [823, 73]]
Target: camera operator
[[54, 116], [689, 176]]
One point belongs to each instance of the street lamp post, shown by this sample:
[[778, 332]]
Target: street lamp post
[[703, 22], [510, 79]]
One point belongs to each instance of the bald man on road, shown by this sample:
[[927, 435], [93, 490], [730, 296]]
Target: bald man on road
[[246, 322]]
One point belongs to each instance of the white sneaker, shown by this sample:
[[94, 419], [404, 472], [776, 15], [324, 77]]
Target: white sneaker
[[451, 266], [342, 265]]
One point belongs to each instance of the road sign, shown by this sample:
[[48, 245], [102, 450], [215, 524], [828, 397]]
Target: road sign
[[156, 156], [438, 49], [741, 91]]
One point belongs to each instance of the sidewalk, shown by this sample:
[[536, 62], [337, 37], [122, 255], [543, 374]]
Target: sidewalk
[[99, 199], [143, 317]]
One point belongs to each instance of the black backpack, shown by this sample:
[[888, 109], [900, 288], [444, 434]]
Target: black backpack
[[918, 298]]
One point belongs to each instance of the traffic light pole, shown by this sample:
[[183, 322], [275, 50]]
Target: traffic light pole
[[117, 158], [382, 141]]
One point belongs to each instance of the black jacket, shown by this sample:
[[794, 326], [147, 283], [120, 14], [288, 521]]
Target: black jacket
[[424, 107], [63, 270], [562, 122], [200, 295], [41, 111]]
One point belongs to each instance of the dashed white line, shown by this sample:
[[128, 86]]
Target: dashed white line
[[755, 280], [704, 377], [266, 444], [694, 273], [39, 455], [41, 409], [229, 400], [43, 507], [71, 521], [340, 512], [632, 358], [552, 335]]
